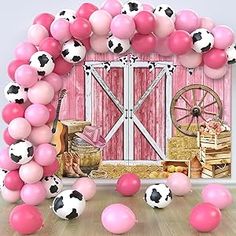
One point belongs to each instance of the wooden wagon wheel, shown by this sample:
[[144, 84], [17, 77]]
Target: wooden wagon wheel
[[195, 108]]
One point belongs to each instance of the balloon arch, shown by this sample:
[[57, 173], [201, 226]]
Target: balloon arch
[[56, 43]]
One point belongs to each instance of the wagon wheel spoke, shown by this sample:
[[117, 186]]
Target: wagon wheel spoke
[[190, 123], [194, 96], [181, 108], [203, 118], [210, 104], [210, 113], [198, 126], [186, 100], [184, 117], [202, 100]]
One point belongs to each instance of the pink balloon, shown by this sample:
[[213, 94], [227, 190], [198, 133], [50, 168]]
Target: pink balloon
[[37, 114], [128, 184], [164, 26], [99, 43], [215, 73], [218, 195], [81, 28], [113, 7], [162, 47], [205, 217], [86, 186], [179, 184], [24, 51], [6, 162], [9, 195], [100, 21], [187, 20], [7, 138], [45, 154], [51, 46], [33, 194], [26, 219], [224, 36], [207, 23], [19, 128], [12, 111], [180, 42], [11, 69], [52, 113], [40, 135], [26, 76], [51, 169], [86, 10], [62, 67], [145, 22], [42, 92], [86, 43], [125, 215], [191, 59], [31, 172], [44, 19], [215, 58], [148, 7], [55, 81], [13, 181], [36, 34], [122, 26], [143, 43], [60, 30]]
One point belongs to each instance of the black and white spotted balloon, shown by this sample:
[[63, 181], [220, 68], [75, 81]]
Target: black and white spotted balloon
[[67, 14], [118, 46], [231, 54], [53, 185], [69, 204], [132, 8], [21, 152], [73, 51], [165, 10], [158, 196], [43, 62], [3, 173], [15, 93]]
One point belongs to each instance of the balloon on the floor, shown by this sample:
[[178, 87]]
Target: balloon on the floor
[[53, 185], [69, 204], [158, 196]]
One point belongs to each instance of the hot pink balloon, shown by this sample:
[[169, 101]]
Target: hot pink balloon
[[62, 67], [52, 46], [125, 215], [24, 51], [180, 42], [86, 43], [6, 162], [60, 30], [99, 43], [205, 217], [51, 169], [215, 58], [148, 7], [12, 67], [44, 19], [13, 181], [9, 195], [40, 135], [143, 43], [191, 59], [207, 23], [224, 36], [19, 128], [86, 186], [26, 219], [7, 138], [164, 26], [45, 154], [80, 28], [52, 113], [162, 47], [55, 81], [42, 92], [12, 111], [100, 21], [122, 26], [86, 10], [113, 7], [33, 194], [36, 34]]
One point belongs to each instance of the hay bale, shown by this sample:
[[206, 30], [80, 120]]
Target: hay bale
[[182, 153], [182, 142]]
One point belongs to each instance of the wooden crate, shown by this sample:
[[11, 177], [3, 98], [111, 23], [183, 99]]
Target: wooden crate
[[216, 171], [172, 166], [214, 141]]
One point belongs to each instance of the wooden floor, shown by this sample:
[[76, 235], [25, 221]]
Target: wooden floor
[[167, 222]]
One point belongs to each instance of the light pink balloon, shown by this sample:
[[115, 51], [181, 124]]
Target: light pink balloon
[[99, 43], [113, 7], [207, 23], [55, 81], [215, 73], [148, 7], [162, 47], [40, 135], [6, 162], [191, 59], [36, 34], [100, 21], [19, 128], [60, 30], [45, 154], [164, 26], [9, 195], [86, 186], [224, 36], [24, 51], [33, 194], [42, 92], [31, 172]]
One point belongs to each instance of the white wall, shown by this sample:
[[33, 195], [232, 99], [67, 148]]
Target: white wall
[[16, 17]]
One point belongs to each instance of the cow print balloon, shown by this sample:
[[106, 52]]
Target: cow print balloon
[[118, 46], [158, 196], [165, 10], [53, 185], [43, 62], [15, 93], [21, 152], [231, 54], [2, 177], [73, 51], [69, 204], [203, 40], [132, 8], [67, 14]]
